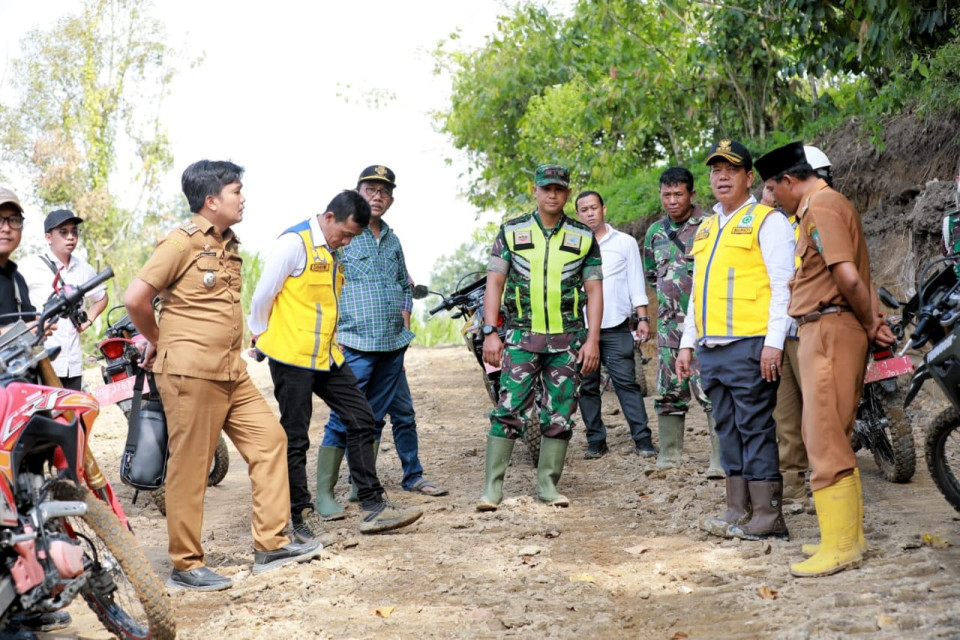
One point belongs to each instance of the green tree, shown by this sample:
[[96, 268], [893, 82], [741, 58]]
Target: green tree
[[85, 109]]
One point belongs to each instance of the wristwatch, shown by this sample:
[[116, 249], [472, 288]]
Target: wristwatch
[[487, 329]]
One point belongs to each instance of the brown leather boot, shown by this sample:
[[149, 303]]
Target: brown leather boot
[[767, 521], [795, 497], [738, 508]]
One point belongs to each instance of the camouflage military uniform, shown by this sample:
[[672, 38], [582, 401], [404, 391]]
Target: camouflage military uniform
[[544, 362], [670, 272]]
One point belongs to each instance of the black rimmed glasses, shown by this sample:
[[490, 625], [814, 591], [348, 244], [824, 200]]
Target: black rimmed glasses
[[15, 222]]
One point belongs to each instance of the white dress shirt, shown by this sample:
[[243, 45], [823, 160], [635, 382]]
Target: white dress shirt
[[39, 277], [623, 284], [777, 244], [287, 257]]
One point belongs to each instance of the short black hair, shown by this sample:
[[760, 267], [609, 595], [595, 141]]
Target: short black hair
[[584, 194], [677, 175], [349, 203], [207, 178], [800, 171]]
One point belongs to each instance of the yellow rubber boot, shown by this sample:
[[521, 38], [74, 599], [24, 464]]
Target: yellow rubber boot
[[840, 528], [811, 549]]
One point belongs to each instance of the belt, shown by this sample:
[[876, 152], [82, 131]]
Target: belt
[[813, 317], [620, 327]]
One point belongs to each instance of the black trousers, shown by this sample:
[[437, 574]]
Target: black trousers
[[294, 388], [616, 353], [743, 404]]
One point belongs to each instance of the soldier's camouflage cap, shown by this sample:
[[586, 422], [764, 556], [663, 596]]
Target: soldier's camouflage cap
[[552, 174]]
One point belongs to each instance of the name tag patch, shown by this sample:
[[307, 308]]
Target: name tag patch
[[321, 266], [571, 241], [742, 230], [701, 235]]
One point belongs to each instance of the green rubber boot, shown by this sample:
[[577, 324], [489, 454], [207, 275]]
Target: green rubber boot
[[670, 426], [328, 468], [499, 451], [715, 470], [550, 466], [353, 488]]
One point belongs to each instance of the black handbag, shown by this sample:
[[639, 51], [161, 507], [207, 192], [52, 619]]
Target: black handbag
[[143, 465]]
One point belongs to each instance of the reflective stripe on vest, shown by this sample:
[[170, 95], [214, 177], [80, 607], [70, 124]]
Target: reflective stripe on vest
[[731, 285], [303, 321], [545, 267]]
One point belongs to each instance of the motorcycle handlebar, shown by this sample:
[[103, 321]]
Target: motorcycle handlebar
[[68, 299]]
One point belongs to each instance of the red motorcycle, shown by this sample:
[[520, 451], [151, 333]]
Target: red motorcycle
[[121, 351], [57, 539]]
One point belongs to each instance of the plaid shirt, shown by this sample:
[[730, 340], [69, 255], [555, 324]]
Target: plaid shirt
[[376, 290]]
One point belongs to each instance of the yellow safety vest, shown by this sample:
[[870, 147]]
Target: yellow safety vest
[[731, 285], [542, 292], [303, 321]]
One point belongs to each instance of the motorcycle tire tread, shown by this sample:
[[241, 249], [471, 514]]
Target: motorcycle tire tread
[[947, 422], [124, 547]]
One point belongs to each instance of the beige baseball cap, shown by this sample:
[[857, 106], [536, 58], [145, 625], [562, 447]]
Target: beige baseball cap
[[8, 196]]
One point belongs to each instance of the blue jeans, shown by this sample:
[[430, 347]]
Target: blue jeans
[[403, 421], [378, 376]]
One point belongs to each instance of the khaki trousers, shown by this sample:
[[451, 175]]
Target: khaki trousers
[[197, 410], [833, 359], [789, 412]]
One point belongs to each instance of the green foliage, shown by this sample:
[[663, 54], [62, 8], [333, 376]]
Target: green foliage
[[620, 89], [252, 270], [438, 330], [85, 89]]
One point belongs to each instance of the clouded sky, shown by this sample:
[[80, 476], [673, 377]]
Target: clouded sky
[[266, 97]]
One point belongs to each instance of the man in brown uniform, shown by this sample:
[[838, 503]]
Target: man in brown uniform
[[195, 351], [834, 304]]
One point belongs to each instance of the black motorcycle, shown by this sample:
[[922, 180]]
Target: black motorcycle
[[882, 425], [121, 350], [468, 302], [937, 315]]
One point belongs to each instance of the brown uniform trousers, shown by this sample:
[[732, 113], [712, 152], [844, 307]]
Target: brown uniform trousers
[[793, 454], [833, 358], [195, 410]]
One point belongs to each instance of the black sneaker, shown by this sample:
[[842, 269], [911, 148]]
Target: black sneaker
[[294, 552], [309, 527], [46, 621], [199, 579], [645, 449], [596, 450], [386, 516], [12, 631]]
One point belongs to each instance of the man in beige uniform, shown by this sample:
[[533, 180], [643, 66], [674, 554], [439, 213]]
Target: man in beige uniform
[[195, 351], [832, 299]]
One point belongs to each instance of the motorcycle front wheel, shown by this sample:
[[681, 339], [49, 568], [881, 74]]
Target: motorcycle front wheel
[[888, 432], [124, 592], [218, 471], [942, 452]]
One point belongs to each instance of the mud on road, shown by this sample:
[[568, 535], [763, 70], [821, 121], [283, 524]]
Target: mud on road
[[626, 560]]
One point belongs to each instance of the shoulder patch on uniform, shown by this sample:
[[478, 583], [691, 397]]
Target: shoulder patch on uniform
[[175, 241], [189, 228]]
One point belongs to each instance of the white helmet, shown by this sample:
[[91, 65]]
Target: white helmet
[[819, 162], [815, 158]]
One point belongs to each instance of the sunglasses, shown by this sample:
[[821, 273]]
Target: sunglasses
[[66, 233]]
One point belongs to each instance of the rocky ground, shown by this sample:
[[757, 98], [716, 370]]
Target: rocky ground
[[625, 560]]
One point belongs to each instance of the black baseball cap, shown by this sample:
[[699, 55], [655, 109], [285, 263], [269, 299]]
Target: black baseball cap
[[731, 151], [60, 216], [378, 173]]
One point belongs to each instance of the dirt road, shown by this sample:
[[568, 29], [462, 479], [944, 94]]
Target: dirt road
[[626, 560]]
